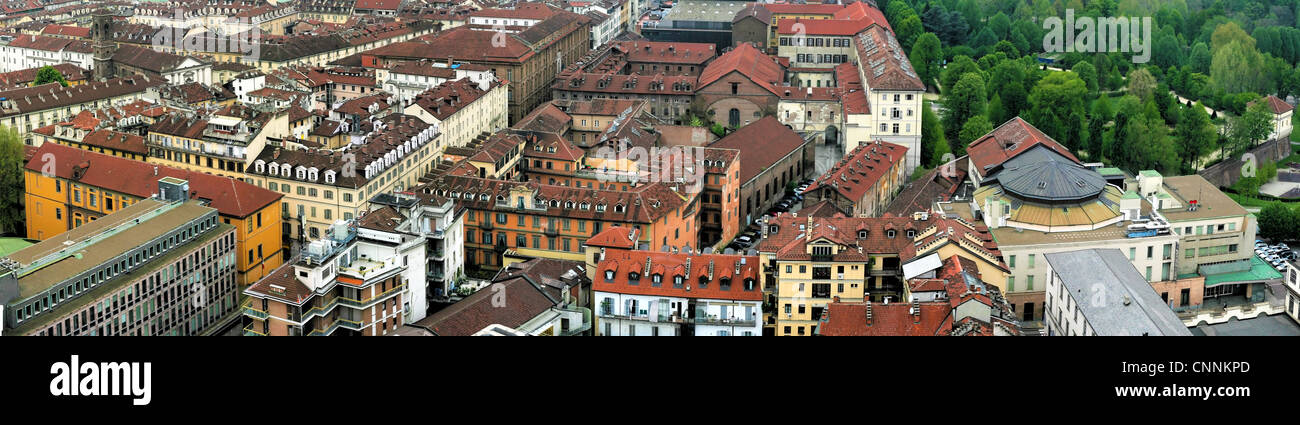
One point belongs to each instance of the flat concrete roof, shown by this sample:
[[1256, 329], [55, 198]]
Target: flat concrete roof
[[1213, 203], [1113, 296], [89, 257]]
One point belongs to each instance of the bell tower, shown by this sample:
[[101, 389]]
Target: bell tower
[[101, 33]]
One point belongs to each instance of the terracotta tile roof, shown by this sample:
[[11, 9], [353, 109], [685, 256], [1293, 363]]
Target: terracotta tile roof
[[545, 118], [883, 61], [837, 27], [614, 237], [793, 233], [861, 169], [110, 139], [824, 208], [51, 44], [1277, 105], [551, 146], [524, 10], [757, 11], [378, 4], [231, 197], [920, 194], [397, 130], [50, 96], [150, 59], [24, 77], [525, 301], [656, 84], [713, 268], [778, 141], [449, 97], [67, 30], [750, 62], [639, 205], [852, 94], [863, 11], [1008, 140], [281, 284], [892, 319], [668, 52], [385, 219], [803, 9]]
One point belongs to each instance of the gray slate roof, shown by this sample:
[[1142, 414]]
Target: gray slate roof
[[1042, 174], [1114, 297]]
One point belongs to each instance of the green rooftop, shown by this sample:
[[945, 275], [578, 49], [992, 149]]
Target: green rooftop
[[1131, 195], [1110, 171], [1258, 271], [11, 245], [1150, 173]]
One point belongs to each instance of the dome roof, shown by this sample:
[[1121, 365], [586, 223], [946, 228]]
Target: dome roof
[[1045, 175]]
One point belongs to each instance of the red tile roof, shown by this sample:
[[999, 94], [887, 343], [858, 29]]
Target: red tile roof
[[793, 233], [861, 169], [231, 197], [67, 30], [524, 302], [614, 237], [1008, 140], [893, 319], [749, 61], [777, 142], [883, 62], [839, 27], [449, 97], [668, 52], [712, 267], [1278, 106], [803, 9]]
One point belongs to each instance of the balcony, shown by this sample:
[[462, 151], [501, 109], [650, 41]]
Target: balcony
[[436, 275], [885, 272], [250, 311], [248, 331], [714, 320]]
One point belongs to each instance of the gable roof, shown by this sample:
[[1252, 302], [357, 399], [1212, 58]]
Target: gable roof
[[1008, 140], [477, 311], [691, 267], [229, 196], [777, 141], [750, 62]]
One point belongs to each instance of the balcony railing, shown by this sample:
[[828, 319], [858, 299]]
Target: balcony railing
[[729, 321], [248, 331], [253, 312]]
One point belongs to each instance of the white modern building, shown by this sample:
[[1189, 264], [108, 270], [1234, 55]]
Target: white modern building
[[425, 232]]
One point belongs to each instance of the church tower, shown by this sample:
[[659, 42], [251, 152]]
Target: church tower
[[101, 33]]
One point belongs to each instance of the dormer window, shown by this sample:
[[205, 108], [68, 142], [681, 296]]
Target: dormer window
[[890, 234], [585, 206], [677, 281], [657, 279], [749, 284], [261, 166], [501, 200], [862, 234], [329, 176], [483, 197], [609, 275], [911, 233], [773, 228], [633, 278], [600, 207], [568, 205], [724, 284], [312, 174], [619, 208], [301, 173], [704, 282]]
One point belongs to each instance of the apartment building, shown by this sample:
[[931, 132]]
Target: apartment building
[[30, 108], [408, 79], [865, 181], [222, 142], [321, 186], [644, 293], [954, 302], [882, 100], [462, 110], [80, 187], [162, 266], [428, 232], [526, 219], [1099, 292], [35, 51], [529, 60], [109, 142], [338, 285]]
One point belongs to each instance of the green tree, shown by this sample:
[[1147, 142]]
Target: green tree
[[974, 128], [1194, 136], [933, 143], [1141, 84], [11, 181], [1276, 221], [925, 57], [1249, 128], [47, 74], [1200, 58], [1088, 73], [996, 112], [1097, 120], [965, 100], [908, 30], [959, 66], [1239, 68], [1056, 107]]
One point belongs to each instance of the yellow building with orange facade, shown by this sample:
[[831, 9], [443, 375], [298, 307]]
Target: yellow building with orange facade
[[68, 187]]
